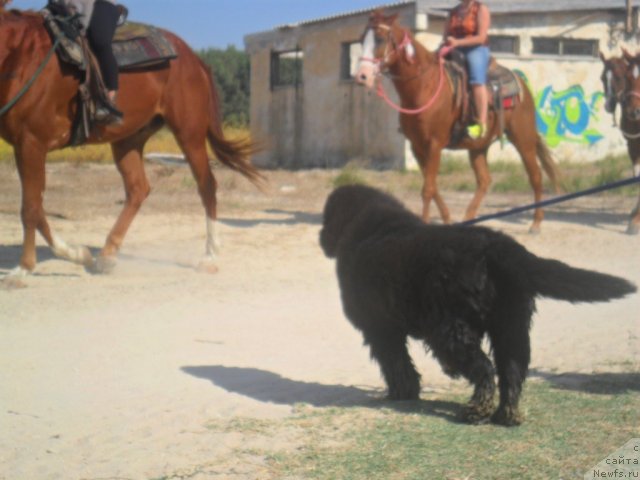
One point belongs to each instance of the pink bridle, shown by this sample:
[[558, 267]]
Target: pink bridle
[[406, 41]]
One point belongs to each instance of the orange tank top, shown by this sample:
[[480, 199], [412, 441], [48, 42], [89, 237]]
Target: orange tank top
[[464, 23]]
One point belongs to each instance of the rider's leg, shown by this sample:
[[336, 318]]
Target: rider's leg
[[100, 33], [478, 60]]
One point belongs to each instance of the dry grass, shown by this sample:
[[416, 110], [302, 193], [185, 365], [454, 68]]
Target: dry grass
[[163, 142]]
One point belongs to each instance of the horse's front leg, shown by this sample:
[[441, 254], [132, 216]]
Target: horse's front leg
[[128, 157], [429, 160], [478, 160], [634, 221], [30, 160]]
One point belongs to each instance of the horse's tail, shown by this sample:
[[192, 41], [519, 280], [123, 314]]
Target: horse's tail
[[548, 164], [236, 153]]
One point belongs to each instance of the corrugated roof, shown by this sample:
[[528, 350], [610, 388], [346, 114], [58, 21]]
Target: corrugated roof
[[496, 7], [346, 14]]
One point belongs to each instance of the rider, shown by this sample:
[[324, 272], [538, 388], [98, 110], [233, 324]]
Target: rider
[[100, 19], [467, 30]]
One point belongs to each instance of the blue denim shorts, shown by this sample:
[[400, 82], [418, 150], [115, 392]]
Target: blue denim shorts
[[478, 62]]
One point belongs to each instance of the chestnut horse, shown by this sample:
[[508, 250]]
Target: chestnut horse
[[181, 96], [621, 83], [429, 112]]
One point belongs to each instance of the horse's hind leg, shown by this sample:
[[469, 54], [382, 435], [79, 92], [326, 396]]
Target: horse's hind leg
[[194, 147], [127, 154], [458, 349], [525, 140], [389, 348], [478, 159]]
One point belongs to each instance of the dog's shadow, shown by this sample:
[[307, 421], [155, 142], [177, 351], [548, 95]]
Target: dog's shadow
[[607, 383], [270, 387]]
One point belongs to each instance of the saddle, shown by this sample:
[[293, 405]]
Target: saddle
[[136, 46], [502, 84]]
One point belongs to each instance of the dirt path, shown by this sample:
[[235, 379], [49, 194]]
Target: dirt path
[[118, 376]]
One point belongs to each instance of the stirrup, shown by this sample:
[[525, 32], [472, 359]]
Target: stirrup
[[476, 131], [108, 114]]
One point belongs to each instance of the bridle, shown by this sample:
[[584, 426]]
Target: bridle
[[610, 93], [623, 96], [382, 64]]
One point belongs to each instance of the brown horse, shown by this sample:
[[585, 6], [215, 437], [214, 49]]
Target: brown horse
[[430, 112], [621, 83], [181, 96]]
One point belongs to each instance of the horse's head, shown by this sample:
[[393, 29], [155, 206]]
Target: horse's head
[[630, 97], [613, 80], [384, 43]]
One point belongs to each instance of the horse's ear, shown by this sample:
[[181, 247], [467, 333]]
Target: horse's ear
[[376, 16], [602, 57], [626, 55]]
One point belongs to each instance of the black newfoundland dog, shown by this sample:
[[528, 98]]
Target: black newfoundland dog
[[448, 286]]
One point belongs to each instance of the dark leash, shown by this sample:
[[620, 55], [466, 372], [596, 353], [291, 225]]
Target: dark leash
[[552, 201], [28, 85]]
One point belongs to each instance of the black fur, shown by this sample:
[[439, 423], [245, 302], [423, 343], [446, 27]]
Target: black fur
[[448, 286]]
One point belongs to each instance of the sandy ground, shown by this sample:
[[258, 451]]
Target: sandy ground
[[118, 376]]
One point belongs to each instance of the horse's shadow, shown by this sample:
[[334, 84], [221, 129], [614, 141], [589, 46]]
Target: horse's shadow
[[10, 255], [594, 218], [607, 383], [270, 387], [293, 218]]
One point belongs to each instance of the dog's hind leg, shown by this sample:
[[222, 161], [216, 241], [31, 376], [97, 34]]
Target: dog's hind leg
[[389, 349], [458, 349], [512, 353]]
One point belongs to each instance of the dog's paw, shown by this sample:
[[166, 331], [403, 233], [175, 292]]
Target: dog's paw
[[507, 416], [477, 414]]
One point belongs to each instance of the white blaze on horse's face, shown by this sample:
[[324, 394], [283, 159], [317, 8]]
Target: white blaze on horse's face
[[609, 86], [369, 67], [636, 72]]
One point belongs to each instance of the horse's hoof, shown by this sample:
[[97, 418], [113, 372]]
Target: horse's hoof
[[11, 282], [633, 229], [85, 258], [534, 230], [207, 266], [102, 265]]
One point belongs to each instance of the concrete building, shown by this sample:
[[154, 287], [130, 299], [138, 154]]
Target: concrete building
[[309, 112]]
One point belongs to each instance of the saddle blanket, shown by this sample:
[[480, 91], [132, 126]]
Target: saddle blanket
[[137, 45]]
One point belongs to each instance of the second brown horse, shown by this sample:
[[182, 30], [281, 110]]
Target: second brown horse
[[430, 112]]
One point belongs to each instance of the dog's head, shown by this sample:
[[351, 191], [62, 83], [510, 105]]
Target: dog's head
[[342, 207]]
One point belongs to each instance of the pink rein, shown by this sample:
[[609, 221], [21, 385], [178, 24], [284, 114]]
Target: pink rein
[[408, 111]]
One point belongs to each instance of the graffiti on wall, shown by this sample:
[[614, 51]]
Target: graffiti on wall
[[568, 115]]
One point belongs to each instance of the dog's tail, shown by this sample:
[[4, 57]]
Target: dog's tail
[[555, 279], [558, 280]]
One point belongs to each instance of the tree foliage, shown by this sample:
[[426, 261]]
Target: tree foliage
[[231, 69]]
